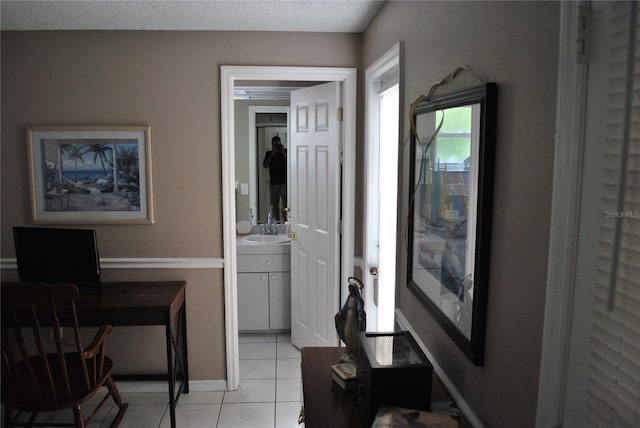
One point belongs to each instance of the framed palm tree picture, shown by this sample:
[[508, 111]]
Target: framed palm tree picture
[[90, 174]]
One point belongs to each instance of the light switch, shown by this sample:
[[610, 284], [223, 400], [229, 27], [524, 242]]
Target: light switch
[[244, 188]]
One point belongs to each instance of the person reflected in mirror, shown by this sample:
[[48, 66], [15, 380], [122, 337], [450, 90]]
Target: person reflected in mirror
[[276, 160], [351, 319]]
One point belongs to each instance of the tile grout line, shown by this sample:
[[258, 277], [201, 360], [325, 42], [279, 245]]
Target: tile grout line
[[220, 411]]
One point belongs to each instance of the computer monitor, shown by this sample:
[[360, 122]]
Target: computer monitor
[[56, 255]]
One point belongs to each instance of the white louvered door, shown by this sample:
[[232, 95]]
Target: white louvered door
[[603, 386]]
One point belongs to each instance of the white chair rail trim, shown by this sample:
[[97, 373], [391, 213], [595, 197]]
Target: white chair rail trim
[[143, 263]]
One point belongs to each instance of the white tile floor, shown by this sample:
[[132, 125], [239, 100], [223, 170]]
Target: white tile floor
[[269, 395]]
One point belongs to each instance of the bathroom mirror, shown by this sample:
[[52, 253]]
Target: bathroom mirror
[[449, 228], [257, 121]]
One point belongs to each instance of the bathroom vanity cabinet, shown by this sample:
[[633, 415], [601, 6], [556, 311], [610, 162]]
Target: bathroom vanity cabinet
[[264, 287]]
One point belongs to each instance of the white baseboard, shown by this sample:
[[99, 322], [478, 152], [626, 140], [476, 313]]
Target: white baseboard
[[457, 397]]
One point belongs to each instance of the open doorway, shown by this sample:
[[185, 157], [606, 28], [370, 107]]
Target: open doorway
[[229, 76]]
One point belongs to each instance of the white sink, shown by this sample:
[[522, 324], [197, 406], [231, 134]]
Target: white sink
[[266, 239]]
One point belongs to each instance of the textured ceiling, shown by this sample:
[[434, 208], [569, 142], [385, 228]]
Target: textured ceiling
[[342, 16]]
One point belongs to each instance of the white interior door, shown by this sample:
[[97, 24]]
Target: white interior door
[[314, 179]]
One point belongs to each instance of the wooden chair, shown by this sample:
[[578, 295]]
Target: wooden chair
[[38, 375]]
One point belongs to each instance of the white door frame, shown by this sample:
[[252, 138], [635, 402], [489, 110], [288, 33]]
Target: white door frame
[[565, 210], [228, 76]]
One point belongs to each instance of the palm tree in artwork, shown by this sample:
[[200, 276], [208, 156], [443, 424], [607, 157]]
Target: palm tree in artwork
[[74, 152], [100, 153]]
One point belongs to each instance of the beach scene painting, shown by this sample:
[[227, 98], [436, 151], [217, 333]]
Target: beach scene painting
[[90, 175]]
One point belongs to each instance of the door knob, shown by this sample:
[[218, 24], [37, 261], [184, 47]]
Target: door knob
[[292, 235]]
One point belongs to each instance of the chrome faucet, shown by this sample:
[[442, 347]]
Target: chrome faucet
[[270, 228]]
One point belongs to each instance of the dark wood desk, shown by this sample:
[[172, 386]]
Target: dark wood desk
[[145, 303], [325, 403]]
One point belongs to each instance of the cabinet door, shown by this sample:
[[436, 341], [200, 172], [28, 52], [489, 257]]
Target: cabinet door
[[253, 301], [280, 300], [264, 263]]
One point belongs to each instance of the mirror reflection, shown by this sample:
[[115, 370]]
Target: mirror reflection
[[446, 194], [449, 228], [272, 179], [258, 122]]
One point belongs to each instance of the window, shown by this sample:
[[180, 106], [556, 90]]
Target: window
[[381, 185]]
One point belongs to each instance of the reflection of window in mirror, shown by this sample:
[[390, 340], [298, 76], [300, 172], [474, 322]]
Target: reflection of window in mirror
[[453, 140], [449, 232], [448, 197], [456, 158]]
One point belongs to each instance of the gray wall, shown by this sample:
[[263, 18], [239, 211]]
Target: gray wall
[[515, 45], [170, 81]]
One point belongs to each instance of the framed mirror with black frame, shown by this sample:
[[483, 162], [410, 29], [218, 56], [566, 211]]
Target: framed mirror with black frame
[[450, 213]]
